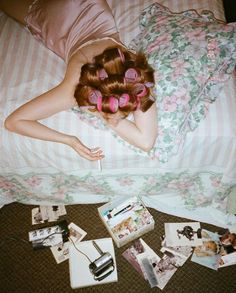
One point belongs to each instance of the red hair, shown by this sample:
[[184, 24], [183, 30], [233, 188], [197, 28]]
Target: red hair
[[107, 75]]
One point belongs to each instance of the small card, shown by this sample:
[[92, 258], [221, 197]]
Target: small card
[[37, 216], [61, 251], [76, 233]]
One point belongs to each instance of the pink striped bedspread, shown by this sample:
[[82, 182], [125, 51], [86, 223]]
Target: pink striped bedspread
[[194, 184]]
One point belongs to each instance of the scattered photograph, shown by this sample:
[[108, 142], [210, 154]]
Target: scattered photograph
[[166, 267], [183, 234], [146, 265], [49, 241], [44, 212], [137, 248], [182, 251], [227, 260], [47, 213], [208, 254], [37, 216], [60, 251], [54, 212], [76, 233], [49, 236], [228, 249]]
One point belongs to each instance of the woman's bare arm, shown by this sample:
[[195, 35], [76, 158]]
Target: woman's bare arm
[[25, 119], [141, 133]]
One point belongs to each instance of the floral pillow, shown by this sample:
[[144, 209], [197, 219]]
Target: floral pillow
[[193, 55]]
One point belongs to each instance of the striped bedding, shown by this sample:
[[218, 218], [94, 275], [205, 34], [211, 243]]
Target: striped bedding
[[37, 172]]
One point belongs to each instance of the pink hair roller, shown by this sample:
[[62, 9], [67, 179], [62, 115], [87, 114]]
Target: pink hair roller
[[93, 97], [140, 90], [122, 56], [131, 75], [102, 74], [114, 104], [99, 103], [149, 84], [123, 100]]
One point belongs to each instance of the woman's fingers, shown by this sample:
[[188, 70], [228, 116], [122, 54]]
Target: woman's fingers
[[93, 154]]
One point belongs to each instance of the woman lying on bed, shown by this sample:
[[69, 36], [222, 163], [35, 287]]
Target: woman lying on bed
[[103, 78]]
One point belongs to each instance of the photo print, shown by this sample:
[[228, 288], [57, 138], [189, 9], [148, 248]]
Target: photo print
[[183, 234], [60, 251], [208, 254], [47, 213], [139, 247], [76, 233], [49, 236]]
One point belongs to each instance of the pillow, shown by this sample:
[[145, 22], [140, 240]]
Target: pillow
[[126, 13], [193, 55], [63, 26]]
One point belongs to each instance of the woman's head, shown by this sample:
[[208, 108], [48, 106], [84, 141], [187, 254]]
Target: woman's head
[[117, 82]]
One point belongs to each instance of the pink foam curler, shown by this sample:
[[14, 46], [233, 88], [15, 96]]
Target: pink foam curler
[[113, 104], [123, 100], [131, 75], [99, 103], [102, 74], [140, 90], [122, 56], [94, 95], [149, 84]]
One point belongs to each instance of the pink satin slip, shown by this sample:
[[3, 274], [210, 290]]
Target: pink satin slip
[[64, 25]]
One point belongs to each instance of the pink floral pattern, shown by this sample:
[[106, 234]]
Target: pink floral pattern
[[195, 189], [193, 55]]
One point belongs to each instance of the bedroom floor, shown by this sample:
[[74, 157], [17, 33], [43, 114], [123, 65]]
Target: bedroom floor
[[24, 270]]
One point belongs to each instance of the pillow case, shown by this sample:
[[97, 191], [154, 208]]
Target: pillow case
[[63, 26], [193, 55], [126, 13]]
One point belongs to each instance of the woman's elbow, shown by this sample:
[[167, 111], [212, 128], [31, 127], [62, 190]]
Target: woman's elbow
[[9, 124], [148, 145]]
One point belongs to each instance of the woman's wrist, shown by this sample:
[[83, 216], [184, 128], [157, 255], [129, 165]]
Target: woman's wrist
[[71, 140]]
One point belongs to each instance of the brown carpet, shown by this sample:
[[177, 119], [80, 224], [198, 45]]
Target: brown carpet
[[24, 270]]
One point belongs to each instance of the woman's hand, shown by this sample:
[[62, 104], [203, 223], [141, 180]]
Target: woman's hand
[[93, 154]]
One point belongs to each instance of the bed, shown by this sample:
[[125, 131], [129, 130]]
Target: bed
[[197, 182]]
